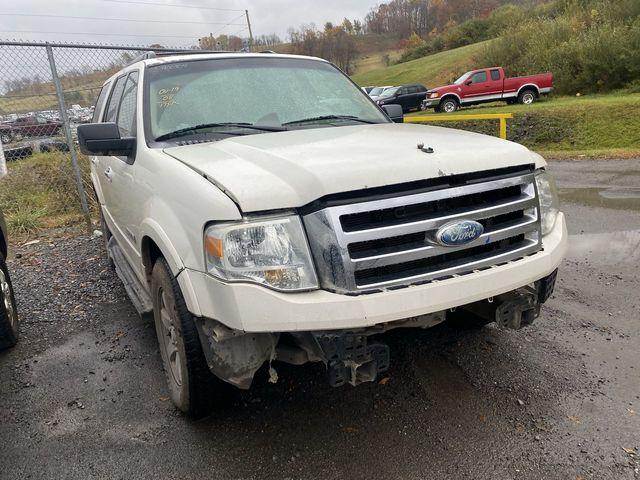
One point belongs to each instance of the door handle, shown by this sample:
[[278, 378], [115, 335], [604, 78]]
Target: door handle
[[108, 173]]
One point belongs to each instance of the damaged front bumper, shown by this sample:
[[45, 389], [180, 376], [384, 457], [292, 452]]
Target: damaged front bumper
[[255, 325], [349, 355]]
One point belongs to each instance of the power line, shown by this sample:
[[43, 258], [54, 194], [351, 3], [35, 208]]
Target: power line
[[229, 24], [175, 5], [119, 19], [101, 34]]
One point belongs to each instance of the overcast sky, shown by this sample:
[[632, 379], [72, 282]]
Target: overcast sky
[[169, 24]]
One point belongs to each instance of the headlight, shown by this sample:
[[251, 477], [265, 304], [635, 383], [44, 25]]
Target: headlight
[[272, 252], [548, 196], [434, 95]]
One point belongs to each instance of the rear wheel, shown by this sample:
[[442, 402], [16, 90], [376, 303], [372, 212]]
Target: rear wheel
[[527, 97], [449, 105], [192, 386], [9, 325]]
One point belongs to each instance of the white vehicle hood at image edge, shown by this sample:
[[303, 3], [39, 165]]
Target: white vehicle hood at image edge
[[290, 169]]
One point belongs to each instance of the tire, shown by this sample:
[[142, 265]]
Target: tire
[[192, 387], [6, 138], [527, 97], [448, 105], [9, 323]]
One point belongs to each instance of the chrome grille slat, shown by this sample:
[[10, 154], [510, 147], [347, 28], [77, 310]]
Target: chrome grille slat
[[531, 246], [433, 195], [381, 247], [522, 203], [516, 228]]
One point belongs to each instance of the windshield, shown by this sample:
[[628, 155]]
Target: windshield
[[389, 92], [462, 79], [376, 91], [270, 92]]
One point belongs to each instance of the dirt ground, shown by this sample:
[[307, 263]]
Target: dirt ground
[[83, 394]]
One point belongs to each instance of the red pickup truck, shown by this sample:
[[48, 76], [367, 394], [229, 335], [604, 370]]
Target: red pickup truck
[[488, 85]]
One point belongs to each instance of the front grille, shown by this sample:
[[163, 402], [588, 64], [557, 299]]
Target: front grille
[[389, 243]]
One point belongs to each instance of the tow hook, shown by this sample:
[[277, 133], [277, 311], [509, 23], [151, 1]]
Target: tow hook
[[518, 311], [350, 359], [514, 310]]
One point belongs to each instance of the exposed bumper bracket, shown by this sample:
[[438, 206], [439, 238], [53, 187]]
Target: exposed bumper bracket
[[350, 359]]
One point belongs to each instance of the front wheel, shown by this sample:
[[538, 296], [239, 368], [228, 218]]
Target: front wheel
[[192, 386], [9, 325], [449, 105]]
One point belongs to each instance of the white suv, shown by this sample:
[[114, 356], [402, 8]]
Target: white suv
[[264, 208]]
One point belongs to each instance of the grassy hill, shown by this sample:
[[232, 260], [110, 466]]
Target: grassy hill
[[558, 127], [432, 70]]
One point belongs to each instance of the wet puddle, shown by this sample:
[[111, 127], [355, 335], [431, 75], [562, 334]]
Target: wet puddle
[[619, 198], [609, 248]]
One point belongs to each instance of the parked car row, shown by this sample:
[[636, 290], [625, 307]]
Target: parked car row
[[474, 87], [46, 123]]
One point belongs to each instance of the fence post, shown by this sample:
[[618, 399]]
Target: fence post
[[67, 131]]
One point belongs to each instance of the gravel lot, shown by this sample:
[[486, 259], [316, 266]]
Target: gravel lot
[[83, 394]]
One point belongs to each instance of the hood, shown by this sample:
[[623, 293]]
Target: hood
[[446, 89], [281, 170]]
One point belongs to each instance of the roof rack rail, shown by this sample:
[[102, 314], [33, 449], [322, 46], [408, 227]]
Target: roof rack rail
[[165, 53]]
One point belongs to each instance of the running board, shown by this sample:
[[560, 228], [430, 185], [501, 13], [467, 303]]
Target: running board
[[137, 293]]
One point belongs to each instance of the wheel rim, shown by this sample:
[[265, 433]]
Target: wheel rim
[[170, 337], [5, 139], [527, 98], [449, 107], [8, 300]]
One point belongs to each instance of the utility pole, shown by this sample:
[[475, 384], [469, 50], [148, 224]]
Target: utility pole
[[246, 12]]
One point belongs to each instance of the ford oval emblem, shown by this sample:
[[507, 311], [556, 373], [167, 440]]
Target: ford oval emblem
[[459, 232]]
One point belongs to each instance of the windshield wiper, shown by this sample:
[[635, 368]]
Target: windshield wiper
[[184, 131], [329, 117]]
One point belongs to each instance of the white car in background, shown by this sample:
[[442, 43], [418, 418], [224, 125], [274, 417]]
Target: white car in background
[[377, 91]]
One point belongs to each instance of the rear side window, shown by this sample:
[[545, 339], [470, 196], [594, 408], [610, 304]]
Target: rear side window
[[413, 89], [102, 97], [479, 77], [495, 75], [127, 111], [114, 100]]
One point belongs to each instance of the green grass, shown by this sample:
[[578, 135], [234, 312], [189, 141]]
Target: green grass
[[594, 126], [432, 70], [39, 193]]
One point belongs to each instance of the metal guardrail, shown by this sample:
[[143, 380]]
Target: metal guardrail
[[502, 117]]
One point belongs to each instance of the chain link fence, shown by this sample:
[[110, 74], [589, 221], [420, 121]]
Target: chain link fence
[[46, 91]]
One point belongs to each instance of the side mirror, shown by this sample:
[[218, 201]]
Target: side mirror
[[468, 82], [394, 112], [104, 139]]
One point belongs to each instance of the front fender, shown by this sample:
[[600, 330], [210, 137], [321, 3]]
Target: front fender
[[152, 231]]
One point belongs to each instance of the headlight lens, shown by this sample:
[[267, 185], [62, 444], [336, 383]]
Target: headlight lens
[[549, 204], [433, 95], [272, 252]]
